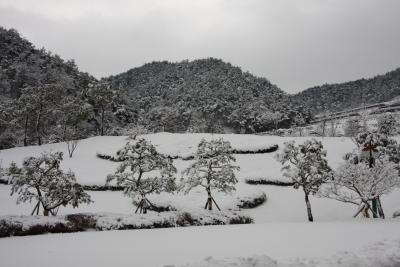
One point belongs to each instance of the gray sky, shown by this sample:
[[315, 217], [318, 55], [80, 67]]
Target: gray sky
[[293, 43]]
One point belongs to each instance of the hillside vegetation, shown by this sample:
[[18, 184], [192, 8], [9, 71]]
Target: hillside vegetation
[[44, 98], [206, 95], [343, 96]]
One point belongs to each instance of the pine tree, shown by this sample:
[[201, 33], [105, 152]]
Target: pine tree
[[212, 169], [42, 180], [144, 171], [307, 166]]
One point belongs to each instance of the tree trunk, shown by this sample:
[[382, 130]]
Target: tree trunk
[[374, 201], [26, 130], [374, 208], [39, 138], [45, 212], [102, 122], [209, 200], [309, 213], [380, 209]]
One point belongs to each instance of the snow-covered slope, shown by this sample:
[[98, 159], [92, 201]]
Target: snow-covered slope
[[91, 170], [283, 204]]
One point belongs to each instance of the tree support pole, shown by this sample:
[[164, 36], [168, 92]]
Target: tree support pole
[[215, 203]]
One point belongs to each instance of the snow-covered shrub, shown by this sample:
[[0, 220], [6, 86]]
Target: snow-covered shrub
[[34, 225], [359, 184], [212, 169], [42, 180], [307, 166], [253, 201], [142, 158]]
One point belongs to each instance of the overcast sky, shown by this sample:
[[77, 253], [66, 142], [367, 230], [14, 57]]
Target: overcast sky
[[293, 43]]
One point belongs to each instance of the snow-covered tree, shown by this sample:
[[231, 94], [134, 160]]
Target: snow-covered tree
[[387, 124], [306, 166], [373, 147], [144, 171], [212, 169], [41, 179], [101, 97], [360, 185]]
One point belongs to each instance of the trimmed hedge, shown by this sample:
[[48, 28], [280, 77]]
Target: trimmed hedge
[[103, 187], [252, 203], [270, 149], [35, 225], [262, 181], [264, 150]]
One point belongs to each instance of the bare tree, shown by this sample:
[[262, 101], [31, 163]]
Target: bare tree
[[71, 145]]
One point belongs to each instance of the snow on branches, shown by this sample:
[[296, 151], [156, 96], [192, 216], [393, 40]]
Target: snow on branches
[[212, 169], [359, 184], [144, 171], [42, 180], [307, 166], [367, 173]]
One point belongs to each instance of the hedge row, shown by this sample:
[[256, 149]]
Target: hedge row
[[266, 181], [263, 150], [36, 225]]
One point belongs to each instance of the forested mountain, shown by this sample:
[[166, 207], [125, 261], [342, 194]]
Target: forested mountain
[[45, 99], [343, 96], [22, 65], [35, 89], [206, 95]]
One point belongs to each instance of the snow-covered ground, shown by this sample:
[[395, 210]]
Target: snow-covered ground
[[91, 170], [283, 242], [280, 230]]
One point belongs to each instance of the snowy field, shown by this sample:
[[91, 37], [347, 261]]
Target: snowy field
[[280, 232], [317, 244]]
